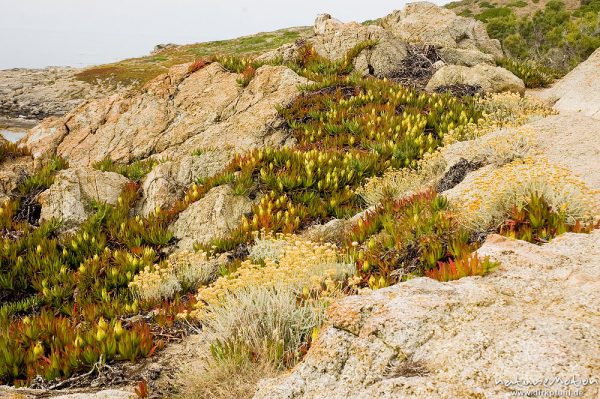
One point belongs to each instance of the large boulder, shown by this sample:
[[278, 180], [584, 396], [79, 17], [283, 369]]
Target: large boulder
[[458, 56], [213, 216], [491, 79], [426, 23], [536, 317], [169, 180], [172, 116], [459, 40], [72, 196], [334, 40], [579, 90]]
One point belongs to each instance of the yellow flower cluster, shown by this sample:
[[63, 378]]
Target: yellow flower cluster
[[311, 267], [494, 191], [155, 283], [183, 269], [403, 182], [498, 148], [501, 110]]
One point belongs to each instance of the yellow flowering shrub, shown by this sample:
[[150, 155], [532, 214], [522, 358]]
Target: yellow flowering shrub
[[184, 270], [313, 267], [493, 192], [399, 183], [500, 110], [155, 283], [497, 148]]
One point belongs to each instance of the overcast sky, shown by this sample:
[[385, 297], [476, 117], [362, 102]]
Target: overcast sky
[[38, 33]]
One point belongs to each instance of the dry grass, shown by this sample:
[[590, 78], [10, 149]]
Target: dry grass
[[502, 110], [253, 334], [137, 71], [184, 271], [227, 380], [267, 323]]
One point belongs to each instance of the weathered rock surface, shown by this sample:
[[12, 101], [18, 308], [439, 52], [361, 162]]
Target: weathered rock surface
[[169, 180], [172, 116], [491, 79], [571, 141], [212, 216], [74, 191], [35, 94], [586, 98], [333, 231], [458, 56], [426, 23], [25, 393], [535, 317], [461, 41], [334, 40], [12, 172]]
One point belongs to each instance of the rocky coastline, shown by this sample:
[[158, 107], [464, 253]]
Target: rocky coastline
[[386, 180]]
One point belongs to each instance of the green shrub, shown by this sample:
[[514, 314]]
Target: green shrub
[[44, 177], [73, 283], [533, 75], [501, 12], [519, 4], [404, 238], [135, 171], [554, 37]]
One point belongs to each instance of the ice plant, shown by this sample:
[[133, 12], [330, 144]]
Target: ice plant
[[466, 266]]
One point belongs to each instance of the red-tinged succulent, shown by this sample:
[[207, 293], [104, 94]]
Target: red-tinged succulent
[[536, 221], [454, 269]]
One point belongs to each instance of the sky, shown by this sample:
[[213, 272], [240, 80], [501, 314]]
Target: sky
[[39, 33]]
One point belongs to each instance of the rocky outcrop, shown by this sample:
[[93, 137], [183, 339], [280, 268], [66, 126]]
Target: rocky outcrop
[[34, 94], [426, 23], [491, 79], [333, 40], [172, 116], [471, 338], [459, 40], [586, 98], [571, 141], [72, 196], [169, 180], [213, 216], [458, 56]]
